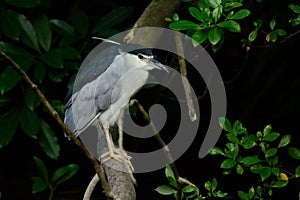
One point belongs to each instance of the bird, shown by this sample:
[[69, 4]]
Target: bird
[[104, 85]]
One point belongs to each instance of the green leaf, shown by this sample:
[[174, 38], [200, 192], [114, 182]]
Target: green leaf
[[214, 36], [8, 79], [199, 37], [225, 124], [10, 24], [271, 137], [43, 31], [239, 169], [165, 190], [63, 174], [285, 140], [250, 160], [217, 13], [295, 8], [243, 13], [31, 99], [214, 184], [80, 21], [280, 32], [276, 171], [30, 33], [195, 12], [8, 124], [62, 27], [67, 53], [23, 4], [214, 3], [294, 153], [267, 130], [42, 167], [183, 25], [243, 195], [170, 175], [115, 17], [175, 17], [271, 152], [53, 59], [233, 150], [272, 23], [230, 25], [231, 137], [215, 151], [297, 172], [38, 185], [228, 164], [280, 184], [29, 122], [48, 141], [252, 36], [238, 128], [39, 72], [248, 142], [265, 172], [231, 5]]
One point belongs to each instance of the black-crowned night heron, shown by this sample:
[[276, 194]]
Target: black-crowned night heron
[[104, 86]]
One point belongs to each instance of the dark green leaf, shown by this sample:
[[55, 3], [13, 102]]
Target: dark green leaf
[[38, 184], [252, 36], [225, 124], [280, 32], [265, 172], [214, 184], [48, 141], [29, 122], [183, 25], [228, 164], [43, 31], [294, 153], [30, 33], [12, 50], [230, 25], [272, 23], [271, 137], [115, 17], [271, 152], [53, 59], [23, 4], [203, 4], [295, 8], [62, 27], [285, 140], [280, 184], [195, 12], [272, 36], [233, 150], [238, 128], [231, 5], [42, 168], [67, 53], [243, 195], [221, 194], [214, 36], [241, 14], [55, 75], [8, 124], [231, 137], [248, 143], [10, 24], [165, 190], [8, 79], [217, 13], [39, 72], [80, 21], [199, 37], [276, 171], [239, 169], [250, 160], [63, 174], [170, 175], [297, 172]]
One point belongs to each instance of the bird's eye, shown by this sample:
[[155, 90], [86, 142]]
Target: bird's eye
[[140, 56]]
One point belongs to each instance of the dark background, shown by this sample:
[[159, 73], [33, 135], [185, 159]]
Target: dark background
[[262, 88]]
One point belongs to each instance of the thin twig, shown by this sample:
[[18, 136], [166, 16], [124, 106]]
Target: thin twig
[[185, 81], [60, 122], [162, 143], [90, 188]]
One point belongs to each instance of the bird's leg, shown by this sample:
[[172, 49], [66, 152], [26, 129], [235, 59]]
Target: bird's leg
[[111, 147]]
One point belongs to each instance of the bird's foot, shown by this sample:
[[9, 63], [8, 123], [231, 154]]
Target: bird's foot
[[119, 155]]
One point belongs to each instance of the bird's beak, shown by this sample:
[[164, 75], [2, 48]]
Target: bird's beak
[[158, 65]]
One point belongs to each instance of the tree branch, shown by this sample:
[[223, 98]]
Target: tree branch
[[54, 114]]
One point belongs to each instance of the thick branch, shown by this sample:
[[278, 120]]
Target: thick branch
[[60, 122]]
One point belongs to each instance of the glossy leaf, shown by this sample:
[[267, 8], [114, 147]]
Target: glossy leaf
[[23, 4], [280, 184], [216, 151], [38, 185], [43, 31], [62, 27], [8, 79], [239, 169], [297, 172], [170, 175], [165, 190], [271, 152], [214, 36], [183, 25], [195, 12], [241, 14], [231, 137], [30, 33], [10, 24], [238, 128], [265, 172], [80, 21], [11, 49], [31, 99], [225, 124], [42, 167], [217, 13], [228, 164], [67, 53], [250, 160], [48, 141], [295, 8], [231, 5], [63, 174], [271, 137], [230, 25], [285, 140], [29, 122], [8, 124], [214, 3], [294, 153]]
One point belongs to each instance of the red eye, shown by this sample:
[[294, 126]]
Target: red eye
[[140, 56]]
